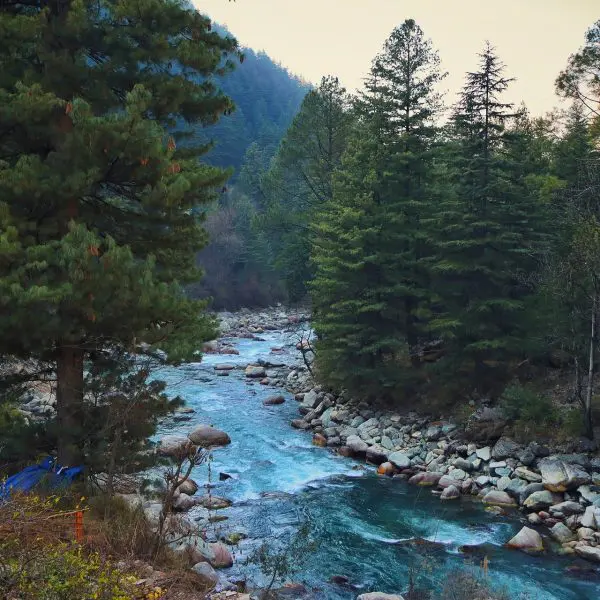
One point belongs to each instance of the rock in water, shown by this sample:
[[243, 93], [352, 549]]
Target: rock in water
[[386, 468], [357, 446], [319, 440], [174, 446], [588, 552], [527, 540], [189, 487], [399, 459], [561, 533], [498, 498], [206, 436], [214, 502], [255, 372], [425, 479], [222, 557], [450, 493], [274, 400]]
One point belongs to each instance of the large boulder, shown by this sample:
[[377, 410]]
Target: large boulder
[[527, 540], [222, 558], [357, 446], [174, 446], [206, 436], [213, 502], [588, 552], [207, 574], [399, 460], [311, 400], [542, 499], [274, 400], [187, 486], [498, 498], [567, 508], [450, 493], [560, 476], [255, 372], [376, 455], [562, 534], [425, 479], [505, 448]]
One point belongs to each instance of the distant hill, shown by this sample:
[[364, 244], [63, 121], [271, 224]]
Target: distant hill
[[267, 97]]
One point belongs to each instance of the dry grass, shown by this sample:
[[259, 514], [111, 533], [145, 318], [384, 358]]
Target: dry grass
[[33, 528]]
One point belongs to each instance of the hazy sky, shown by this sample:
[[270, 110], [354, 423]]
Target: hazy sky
[[313, 38]]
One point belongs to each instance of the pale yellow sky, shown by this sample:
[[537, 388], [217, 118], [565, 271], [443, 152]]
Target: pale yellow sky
[[313, 38]]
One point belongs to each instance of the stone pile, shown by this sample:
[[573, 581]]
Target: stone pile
[[559, 493]]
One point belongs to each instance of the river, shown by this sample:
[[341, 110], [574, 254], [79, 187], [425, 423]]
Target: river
[[362, 521]]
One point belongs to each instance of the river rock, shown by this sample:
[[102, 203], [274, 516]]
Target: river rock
[[214, 502], [255, 372], [505, 448], [561, 533], [503, 483], [534, 519], [591, 517], [224, 367], [567, 508], [588, 552], [559, 476], [300, 424], [274, 400], [399, 459], [357, 446], [376, 455], [425, 478], [542, 499], [174, 446], [498, 498], [222, 558], [379, 596], [484, 453], [590, 494], [464, 464], [189, 487], [528, 475], [209, 576], [527, 540], [386, 468], [311, 400], [206, 436], [319, 440], [450, 493]]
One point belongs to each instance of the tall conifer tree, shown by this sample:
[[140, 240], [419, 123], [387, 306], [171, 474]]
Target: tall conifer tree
[[98, 227], [371, 291]]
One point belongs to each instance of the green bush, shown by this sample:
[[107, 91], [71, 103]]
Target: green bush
[[529, 411]]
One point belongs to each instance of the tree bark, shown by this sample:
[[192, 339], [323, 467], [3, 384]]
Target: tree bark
[[69, 403], [587, 409]]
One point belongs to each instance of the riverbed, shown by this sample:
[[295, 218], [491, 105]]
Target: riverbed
[[372, 530]]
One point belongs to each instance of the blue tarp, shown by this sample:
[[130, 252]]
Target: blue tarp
[[47, 471]]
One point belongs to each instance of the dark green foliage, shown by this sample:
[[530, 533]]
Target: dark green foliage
[[98, 205], [300, 181], [266, 97], [370, 292], [489, 228]]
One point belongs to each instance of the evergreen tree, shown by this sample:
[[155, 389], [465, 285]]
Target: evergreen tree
[[488, 227], [374, 248], [98, 225], [300, 180]]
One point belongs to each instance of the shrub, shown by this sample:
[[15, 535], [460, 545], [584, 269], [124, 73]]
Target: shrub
[[467, 585], [530, 412]]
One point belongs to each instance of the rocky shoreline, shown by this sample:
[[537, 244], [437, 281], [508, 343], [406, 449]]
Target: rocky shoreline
[[557, 490]]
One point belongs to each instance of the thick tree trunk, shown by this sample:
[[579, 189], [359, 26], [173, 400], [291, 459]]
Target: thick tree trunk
[[587, 409], [69, 402]]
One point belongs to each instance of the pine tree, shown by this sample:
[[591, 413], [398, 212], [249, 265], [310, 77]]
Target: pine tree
[[98, 225], [371, 286], [300, 180], [488, 226]]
